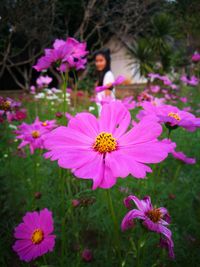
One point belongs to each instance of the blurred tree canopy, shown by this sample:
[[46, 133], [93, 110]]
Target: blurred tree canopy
[[27, 27]]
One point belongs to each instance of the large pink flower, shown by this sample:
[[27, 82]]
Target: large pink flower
[[34, 235], [154, 219], [102, 149], [170, 115]]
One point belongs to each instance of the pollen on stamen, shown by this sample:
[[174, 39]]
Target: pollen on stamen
[[105, 142], [175, 116], [35, 134], [37, 236], [155, 215]]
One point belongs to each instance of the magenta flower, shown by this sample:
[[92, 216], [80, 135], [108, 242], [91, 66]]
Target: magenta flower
[[8, 107], [155, 88], [65, 55], [34, 235], [43, 81], [128, 102], [119, 80], [170, 115], [33, 134], [194, 81], [102, 149], [154, 219], [196, 57]]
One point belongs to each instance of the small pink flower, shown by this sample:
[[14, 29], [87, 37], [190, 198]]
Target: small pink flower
[[34, 235], [196, 57], [154, 219], [87, 255], [155, 88], [33, 134]]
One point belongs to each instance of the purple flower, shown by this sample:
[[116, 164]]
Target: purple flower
[[196, 57], [170, 115], [87, 255], [33, 134], [65, 54], [34, 235], [193, 81], [154, 219], [43, 81]]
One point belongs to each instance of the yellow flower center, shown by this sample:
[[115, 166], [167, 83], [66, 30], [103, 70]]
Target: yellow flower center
[[105, 142], [35, 134], [37, 236], [5, 105], [154, 215], [44, 123], [175, 116]]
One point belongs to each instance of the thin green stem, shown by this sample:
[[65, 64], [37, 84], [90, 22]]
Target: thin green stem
[[114, 218], [75, 89]]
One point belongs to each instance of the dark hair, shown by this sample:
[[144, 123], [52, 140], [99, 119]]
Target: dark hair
[[105, 52]]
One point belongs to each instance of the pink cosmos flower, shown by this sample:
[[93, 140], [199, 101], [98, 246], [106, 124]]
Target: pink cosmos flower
[[129, 103], [119, 80], [8, 107], [196, 57], [154, 219], [32, 89], [34, 235], [155, 88], [194, 81], [33, 134], [43, 81], [170, 115], [184, 99], [92, 148], [65, 54]]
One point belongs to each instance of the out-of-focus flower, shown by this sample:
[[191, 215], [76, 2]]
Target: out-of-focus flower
[[184, 99], [34, 235], [154, 88], [65, 55], [194, 81], [43, 81], [196, 57], [75, 202], [102, 149], [87, 255], [154, 219]]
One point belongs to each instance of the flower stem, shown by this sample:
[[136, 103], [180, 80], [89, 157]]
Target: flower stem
[[75, 88], [64, 85], [117, 239]]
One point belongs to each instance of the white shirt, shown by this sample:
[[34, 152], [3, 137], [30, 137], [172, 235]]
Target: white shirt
[[108, 78]]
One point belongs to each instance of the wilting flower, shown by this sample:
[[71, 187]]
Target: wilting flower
[[119, 80], [102, 150], [43, 81], [33, 134], [170, 115], [65, 55], [154, 219], [34, 235]]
